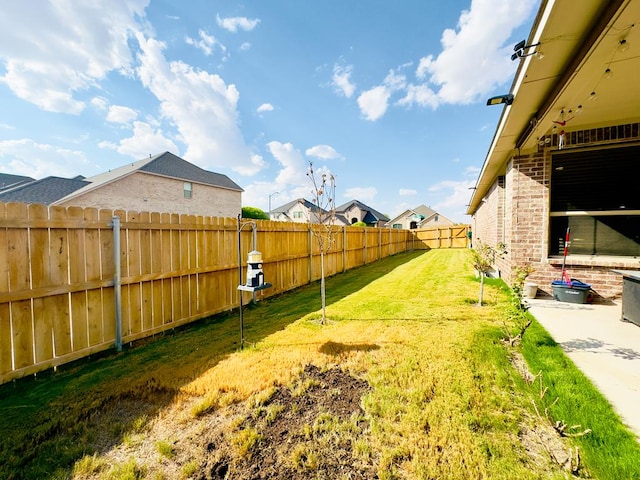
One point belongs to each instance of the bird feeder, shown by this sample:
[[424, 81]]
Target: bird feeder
[[255, 276]]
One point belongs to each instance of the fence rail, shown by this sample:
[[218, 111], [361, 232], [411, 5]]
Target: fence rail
[[59, 280]]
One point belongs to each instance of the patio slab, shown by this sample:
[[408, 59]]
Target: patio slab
[[606, 349]]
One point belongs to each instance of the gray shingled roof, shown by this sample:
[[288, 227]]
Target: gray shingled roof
[[8, 180], [306, 203], [365, 208], [171, 165], [46, 190]]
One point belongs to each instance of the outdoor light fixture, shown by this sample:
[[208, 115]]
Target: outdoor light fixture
[[521, 48], [507, 99]]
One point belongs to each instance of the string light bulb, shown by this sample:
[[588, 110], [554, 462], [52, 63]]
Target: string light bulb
[[608, 73], [623, 45]]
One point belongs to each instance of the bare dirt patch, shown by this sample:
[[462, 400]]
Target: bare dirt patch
[[308, 430]]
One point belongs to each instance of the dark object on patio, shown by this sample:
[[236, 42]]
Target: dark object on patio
[[573, 291], [630, 295]]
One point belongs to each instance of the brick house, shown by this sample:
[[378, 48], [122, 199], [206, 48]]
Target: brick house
[[419, 217], [162, 183], [298, 210], [565, 152], [356, 211]]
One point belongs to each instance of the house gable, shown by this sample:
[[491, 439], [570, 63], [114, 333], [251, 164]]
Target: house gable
[[361, 213], [299, 210]]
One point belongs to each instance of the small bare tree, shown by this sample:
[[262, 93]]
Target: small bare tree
[[324, 200], [483, 258]]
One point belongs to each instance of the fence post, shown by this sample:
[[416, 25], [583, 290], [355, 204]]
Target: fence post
[[364, 250], [117, 282], [344, 248], [310, 253]]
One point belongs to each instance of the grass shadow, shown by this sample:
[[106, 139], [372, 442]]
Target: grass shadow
[[336, 348], [48, 419]]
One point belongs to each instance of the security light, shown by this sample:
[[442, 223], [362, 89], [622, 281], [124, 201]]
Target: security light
[[507, 99], [521, 47]]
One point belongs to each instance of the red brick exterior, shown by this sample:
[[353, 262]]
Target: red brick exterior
[[518, 215]]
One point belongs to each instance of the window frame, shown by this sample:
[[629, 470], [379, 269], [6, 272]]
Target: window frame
[[187, 189], [590, 190]]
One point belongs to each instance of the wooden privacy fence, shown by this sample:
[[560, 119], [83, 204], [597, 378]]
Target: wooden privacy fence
[[70, 288], [454, 236]]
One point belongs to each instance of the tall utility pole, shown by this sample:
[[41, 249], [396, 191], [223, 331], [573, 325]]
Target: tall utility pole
[[271, 195]]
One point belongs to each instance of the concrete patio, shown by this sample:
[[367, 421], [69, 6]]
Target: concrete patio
[[605, 348]]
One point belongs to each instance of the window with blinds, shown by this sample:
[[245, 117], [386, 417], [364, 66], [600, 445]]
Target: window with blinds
[[596, 194]]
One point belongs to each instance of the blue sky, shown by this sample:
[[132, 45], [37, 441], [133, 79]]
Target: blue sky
[[387, 95]]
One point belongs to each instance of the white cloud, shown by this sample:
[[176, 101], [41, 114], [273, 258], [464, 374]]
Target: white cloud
[[206, 43], [472, 171], [100, 103], [373, 103], [341, 80], [474, 57], [294, 166], [201, 106], [473, 61], [27, 157], [245, 46], [405, 192], [145, 141], [265, 107], [364, 194], [395, 81], [325, 152], [232, 24], [121, 114], [255, 165], [291, 182], [454, 196], [421, 95], [47, 62]]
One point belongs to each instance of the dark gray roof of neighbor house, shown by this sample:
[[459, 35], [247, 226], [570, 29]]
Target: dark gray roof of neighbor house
[[365, 208], [46, 190], [8, 181], [171, 165], [339, 218]]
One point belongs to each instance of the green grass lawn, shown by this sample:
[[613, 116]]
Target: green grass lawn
[[445, 400]]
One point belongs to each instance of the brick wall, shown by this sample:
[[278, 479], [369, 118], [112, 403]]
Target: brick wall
[[526, 224], [153, 193]]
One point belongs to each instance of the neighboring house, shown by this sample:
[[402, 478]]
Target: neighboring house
[[419, 217], [565, 152], [163, 183], [298, 210], [356, 211], [8, 181]]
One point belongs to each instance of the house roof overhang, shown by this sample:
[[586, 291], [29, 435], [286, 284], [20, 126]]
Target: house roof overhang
[[578, 42]]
